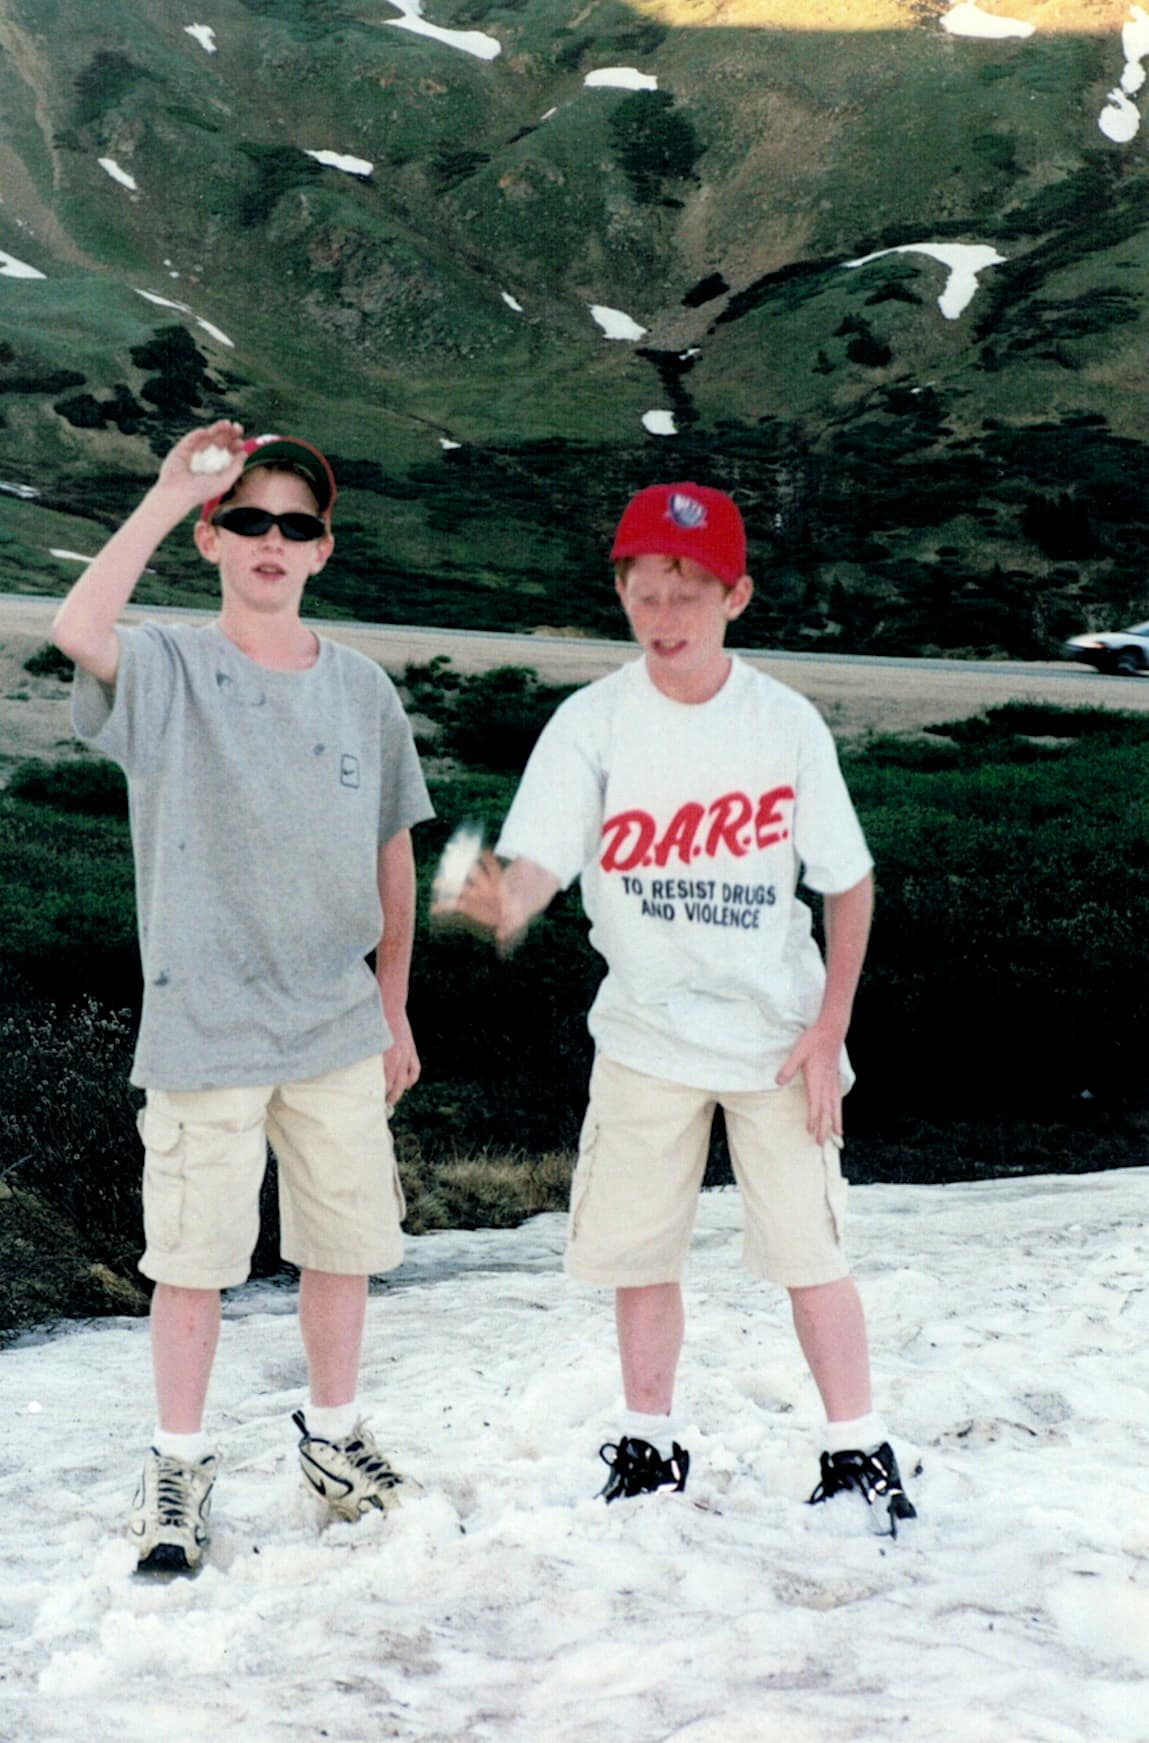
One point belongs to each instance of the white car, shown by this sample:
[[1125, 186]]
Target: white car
[[1112, 650]]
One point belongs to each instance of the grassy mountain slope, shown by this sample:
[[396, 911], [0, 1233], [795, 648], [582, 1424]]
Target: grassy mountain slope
[[909, 481]]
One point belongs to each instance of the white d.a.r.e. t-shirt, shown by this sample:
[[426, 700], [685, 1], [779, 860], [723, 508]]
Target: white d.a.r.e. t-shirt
[[690, 825]]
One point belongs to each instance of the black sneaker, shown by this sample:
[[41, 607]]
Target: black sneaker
[[874, 1476], [637, 1468]]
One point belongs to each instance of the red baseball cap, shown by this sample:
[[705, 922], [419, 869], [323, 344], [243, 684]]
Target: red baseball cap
[[301, 456], [684, 520]]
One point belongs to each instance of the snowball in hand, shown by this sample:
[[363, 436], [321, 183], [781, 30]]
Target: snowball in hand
[[210, 459], [459, 859]]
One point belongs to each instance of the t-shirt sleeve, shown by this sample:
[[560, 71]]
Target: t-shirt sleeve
[[827, 834], [403, 796], [126, 720], [555, 818]]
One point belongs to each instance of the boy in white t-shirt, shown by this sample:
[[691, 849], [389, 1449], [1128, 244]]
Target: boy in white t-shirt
[[689, 792]]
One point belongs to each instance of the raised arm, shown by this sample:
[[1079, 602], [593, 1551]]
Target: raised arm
[[85, 625], [396, 869], [818, 1050]]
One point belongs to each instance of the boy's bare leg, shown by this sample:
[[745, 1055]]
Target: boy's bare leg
[[651, 1323], [332, 1312], [185, 1332], [831, 1327]]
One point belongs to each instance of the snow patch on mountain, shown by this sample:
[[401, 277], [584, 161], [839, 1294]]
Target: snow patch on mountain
[[214, 332], [185, 309], [10, 267], [621, 79], [965, 261], [473, 42], [1120, 120], [615, 324], [162, 302], [352, 166], [659, 423], [968, 19], [112, 168], [204, 35]]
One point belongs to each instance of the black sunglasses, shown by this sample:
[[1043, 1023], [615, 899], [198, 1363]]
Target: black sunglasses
[[252, 523]]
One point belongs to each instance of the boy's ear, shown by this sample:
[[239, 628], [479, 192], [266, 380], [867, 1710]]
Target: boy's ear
[[323, 550], [738, 597], [206, 540]]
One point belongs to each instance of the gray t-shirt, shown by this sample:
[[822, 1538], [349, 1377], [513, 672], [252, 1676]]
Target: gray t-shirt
[[259, 800]]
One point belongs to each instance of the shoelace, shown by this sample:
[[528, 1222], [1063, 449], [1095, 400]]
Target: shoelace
[[637, 1468], [173, 1494], [631, 1457], [869, 1475], [860, 1471], [366, 1457]]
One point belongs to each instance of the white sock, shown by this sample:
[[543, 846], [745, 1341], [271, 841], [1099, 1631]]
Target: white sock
[[332, 1421], [659, 1431], [188, 1448], [860, 1434]]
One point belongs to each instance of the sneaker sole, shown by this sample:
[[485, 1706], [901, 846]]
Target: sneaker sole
[[167, 1561]]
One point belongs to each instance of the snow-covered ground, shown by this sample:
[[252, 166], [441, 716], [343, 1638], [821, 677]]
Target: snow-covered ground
[[620, 79], [352, 166], [204, 34], [659, 423], [968, 19], [472, 42], [10, 267], [616, 323], [118, 174], [185, 309], [1120, 120], [1010, 1325], [963, 262]]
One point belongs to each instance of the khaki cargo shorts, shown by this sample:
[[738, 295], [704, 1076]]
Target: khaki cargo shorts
[[340, 1201], [642, 1156]]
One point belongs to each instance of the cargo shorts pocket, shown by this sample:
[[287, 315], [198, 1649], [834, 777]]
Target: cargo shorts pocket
[[400, 1195], [837, 1186], [165, 1177], [584, 1170]]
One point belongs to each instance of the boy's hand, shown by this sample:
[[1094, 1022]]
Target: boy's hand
[[177, 476], [817, 1054], [481, 903], [401, 1067]]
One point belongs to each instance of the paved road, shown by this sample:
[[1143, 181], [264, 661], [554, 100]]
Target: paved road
[[857, 693]]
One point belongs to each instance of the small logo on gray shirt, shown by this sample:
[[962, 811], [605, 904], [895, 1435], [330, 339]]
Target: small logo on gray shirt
[[348, 770]]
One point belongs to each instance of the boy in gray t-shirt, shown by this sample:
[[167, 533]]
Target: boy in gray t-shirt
[[273, 783]]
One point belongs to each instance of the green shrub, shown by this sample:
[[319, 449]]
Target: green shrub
[[48, 661], [489, 720], [91, 789], [105, 82], [67, 908], [655, 144], [67, 1119]]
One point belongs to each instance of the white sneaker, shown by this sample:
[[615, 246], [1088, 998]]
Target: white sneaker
[[351, 1474], [169, 1522]]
